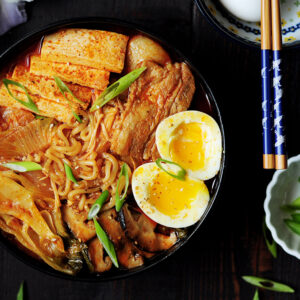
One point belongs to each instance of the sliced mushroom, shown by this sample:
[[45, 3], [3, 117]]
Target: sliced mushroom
[[77, 221], [143, 231], [100, 262], [128, 255]]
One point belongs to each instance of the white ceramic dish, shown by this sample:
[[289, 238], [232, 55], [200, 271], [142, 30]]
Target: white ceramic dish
[[283, 189], [249, 32]]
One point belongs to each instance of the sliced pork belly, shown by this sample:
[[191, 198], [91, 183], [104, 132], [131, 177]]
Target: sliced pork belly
[[158, 93], [92, 48]]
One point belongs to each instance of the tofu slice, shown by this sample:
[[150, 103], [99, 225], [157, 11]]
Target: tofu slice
[[92, 48], [60, 111], [46, 87], [83, 75]]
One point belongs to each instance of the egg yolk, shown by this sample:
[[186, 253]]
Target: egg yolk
[[186, 147], [170, 196]]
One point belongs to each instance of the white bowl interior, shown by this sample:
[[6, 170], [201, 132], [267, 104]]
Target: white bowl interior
[[283, 189]]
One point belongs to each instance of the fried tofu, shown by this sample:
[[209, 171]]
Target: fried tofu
[[79, 74], [92, 48], [60, 111], [46, 88]]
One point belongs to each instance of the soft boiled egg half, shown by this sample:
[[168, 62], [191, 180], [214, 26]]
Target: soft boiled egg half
[[167, 200], [193, 140]]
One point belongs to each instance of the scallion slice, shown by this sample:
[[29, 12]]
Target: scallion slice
[[256, 296], [293, 206], [117, 88], [22, 166], [20, 295], [271, 245], [69, 173], [180, 174], [293, 226], [296, 217], [29, 104], [120, 200], [106, 243], [94, 210], [64, 89], [268, 284]]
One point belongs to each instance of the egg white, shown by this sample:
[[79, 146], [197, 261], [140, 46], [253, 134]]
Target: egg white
[[212, 142], [142, 179]]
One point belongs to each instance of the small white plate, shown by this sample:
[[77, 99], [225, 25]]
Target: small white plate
[[283, 189], [249, 32]]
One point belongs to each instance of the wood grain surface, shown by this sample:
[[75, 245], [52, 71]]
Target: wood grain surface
[[229, 244]]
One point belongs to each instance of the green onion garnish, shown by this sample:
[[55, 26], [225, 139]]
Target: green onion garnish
[[117, 88], [296, 217], [98, 205], [20, 294], [69, 173], [106, 242], [22, 166], [294, 206], [120, 201], [29, 104], [271, 245], [64, 89], [256, 296], [268, 284], [292, 225], [39, 117], [180, 174]]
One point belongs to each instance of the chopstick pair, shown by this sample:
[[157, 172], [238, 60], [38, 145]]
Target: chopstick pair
[[274, 148]]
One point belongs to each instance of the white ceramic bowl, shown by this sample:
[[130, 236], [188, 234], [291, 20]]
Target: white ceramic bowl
[[249, 32], [283, 189]]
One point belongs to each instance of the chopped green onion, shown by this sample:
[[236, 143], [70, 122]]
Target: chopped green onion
[[268, 284], [22, 166], [106, 243], [20, 294], [38, 117], [256, 296], [64, 89], [69, 173], [117, 88], [98, 205], [120, 201], [29, 104], [292, 225], [296, 218], [271, 245], [180, 174], [294, 206]]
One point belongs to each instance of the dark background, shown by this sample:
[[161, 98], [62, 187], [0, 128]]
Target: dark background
[[229, 244]]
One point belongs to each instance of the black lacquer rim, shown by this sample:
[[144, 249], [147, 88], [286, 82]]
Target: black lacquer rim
[[98, 22], [207, 14]]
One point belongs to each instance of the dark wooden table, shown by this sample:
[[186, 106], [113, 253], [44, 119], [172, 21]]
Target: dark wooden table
[[230, 243]]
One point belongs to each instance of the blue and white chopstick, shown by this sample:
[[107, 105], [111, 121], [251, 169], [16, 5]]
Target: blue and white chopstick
[[279, 141], [273, 122], [266, 75]]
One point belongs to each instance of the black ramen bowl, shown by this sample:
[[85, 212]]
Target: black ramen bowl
[[203, 100]]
